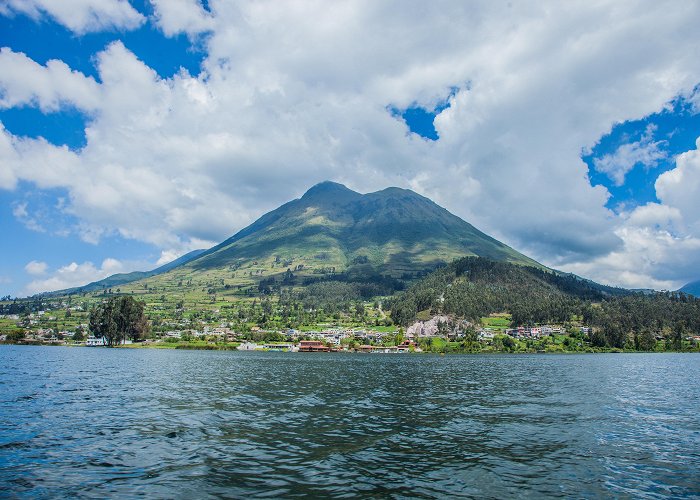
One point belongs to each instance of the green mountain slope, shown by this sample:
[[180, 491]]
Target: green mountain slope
[[331, 232], [393, 231]]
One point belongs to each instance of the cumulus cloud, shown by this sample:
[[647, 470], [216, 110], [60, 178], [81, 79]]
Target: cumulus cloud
[[680, 186], [661, 241], [24, 82], [297, 92], [645, 151], [79, 16], [71, 275], [649, 258], [181, 16], [36, 268]]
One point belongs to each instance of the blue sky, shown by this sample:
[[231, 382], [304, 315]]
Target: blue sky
[[136, 131], [50, 239], [675, 130]]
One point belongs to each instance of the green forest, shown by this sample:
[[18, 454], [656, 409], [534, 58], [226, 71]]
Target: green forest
[[473, 287]]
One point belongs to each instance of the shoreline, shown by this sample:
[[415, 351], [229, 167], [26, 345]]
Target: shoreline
[[214, 347]]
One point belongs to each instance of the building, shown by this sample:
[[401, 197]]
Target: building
[[95, 341], [280, 347], [313, 346]]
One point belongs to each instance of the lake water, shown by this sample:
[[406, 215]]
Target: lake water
[[182, 424]]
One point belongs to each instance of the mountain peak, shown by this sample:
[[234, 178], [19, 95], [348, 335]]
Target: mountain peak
[[329, 190]]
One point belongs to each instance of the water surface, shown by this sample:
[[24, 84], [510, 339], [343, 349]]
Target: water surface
[[181, 424]]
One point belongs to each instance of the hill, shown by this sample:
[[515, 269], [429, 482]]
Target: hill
[[472, 288]]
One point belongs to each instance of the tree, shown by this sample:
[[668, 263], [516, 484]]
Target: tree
[[508, 342], [676, 339], [359, 310], [119, 318], [645, 340], [15, 335], [79, 334]]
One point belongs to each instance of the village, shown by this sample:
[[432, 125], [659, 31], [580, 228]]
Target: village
[[440, 333], [439, 330]]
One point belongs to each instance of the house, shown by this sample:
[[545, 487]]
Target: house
[[486, 334], [405, 346], [313, 346]]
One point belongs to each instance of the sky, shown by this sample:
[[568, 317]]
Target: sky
[[134, 131]]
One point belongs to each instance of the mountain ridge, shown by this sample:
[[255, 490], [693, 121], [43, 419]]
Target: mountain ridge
[[386, 229]]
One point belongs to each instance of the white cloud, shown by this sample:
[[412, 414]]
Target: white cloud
[[645, 151], [73, 275], [170, 254], [661, 240], [181, 16], [8, 155], [649, 258], [296, 92], [36, 268], [24, 82], [679, 188], [694, 99], [79, 16], [20, 212]]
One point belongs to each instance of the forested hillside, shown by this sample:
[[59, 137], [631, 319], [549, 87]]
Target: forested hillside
[[474, 287]]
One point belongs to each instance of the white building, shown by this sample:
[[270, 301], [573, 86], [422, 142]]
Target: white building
[[95, 341]]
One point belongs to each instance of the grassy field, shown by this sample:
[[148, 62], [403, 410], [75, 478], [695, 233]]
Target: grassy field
[[498, 322]]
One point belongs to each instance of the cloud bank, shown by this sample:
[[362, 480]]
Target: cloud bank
[[297, 92]]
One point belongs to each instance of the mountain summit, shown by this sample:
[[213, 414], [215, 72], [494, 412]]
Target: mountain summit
[[394, 231], [330, 192]]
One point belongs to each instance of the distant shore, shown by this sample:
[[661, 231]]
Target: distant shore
[[233, 346]]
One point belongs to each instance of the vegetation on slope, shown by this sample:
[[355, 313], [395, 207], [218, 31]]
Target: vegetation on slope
[[472, 288], [394, 231]]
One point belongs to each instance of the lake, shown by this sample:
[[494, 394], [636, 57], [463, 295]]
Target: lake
[[96, 422]]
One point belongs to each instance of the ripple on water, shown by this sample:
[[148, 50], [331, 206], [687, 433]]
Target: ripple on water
[[100, 422]]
